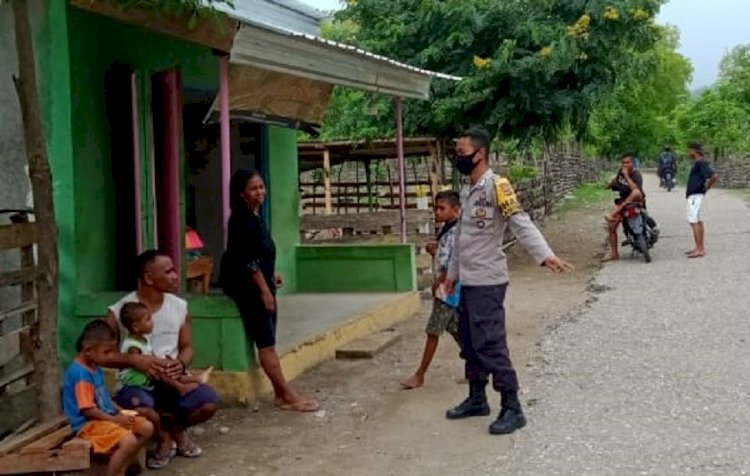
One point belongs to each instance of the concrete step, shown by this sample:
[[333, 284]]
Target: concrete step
[[368, 346]]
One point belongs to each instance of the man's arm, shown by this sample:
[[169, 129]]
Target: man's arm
[[530, 237], [712, 181], [185, 343]]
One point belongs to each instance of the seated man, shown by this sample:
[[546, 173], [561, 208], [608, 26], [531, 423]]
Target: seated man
[[170, 339], [629, 184]]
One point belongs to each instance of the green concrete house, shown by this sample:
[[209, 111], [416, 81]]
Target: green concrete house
[[145, 122]]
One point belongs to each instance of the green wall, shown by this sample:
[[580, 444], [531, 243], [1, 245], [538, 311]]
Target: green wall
[[356, 268], [82, 48], [284, 199], [54, 77], [96, 43]]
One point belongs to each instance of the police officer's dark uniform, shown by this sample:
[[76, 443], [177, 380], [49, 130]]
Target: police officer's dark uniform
[[488, 207]]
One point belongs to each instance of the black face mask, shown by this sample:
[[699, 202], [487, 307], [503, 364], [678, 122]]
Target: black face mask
[[465, 163]]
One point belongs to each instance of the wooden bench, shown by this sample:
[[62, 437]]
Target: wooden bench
[[51, 448]]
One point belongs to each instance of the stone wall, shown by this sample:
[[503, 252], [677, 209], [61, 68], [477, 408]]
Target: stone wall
[[733, 172]]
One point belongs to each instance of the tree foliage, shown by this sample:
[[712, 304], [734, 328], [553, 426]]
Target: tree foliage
[[720, 115], [639, 114], [530, 67]]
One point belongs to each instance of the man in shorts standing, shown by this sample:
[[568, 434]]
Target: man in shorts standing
[[702, 178]]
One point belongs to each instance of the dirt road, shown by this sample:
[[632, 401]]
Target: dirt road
[[654, 377], [368, 426]]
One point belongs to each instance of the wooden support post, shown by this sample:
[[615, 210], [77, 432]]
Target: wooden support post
[[401, 168], [226, 144], [327, 179]]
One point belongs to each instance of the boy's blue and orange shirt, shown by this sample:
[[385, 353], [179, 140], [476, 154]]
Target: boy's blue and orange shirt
[[84, 388]]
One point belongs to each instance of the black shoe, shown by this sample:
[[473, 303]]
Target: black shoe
[[508, 421], [475, 405]]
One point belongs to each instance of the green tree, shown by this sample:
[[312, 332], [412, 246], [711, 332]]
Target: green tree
[[638, 115], [530, 67], [721, 123]]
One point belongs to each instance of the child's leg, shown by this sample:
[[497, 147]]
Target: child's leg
[[417, 380], [126, 450]]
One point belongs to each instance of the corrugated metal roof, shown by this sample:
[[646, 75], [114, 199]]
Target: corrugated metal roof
[[289, 15]]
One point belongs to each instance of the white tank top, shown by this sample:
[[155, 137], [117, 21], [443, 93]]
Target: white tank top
[[168, 321]]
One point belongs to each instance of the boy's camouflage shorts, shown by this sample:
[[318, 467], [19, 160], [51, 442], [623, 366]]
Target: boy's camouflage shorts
[[443, 318]]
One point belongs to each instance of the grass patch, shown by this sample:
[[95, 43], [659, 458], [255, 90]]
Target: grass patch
[[586, 195]]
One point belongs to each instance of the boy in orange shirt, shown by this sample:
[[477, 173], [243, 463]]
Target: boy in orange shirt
[[89, 408]]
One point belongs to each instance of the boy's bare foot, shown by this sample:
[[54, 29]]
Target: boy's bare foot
[[690, 252], [696, 254], [462, 381], [415, 381], [610, 257], [205, 375], [296, 403]]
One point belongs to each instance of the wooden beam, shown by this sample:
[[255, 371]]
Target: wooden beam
[[217, 32], [72, 458], [24, 371], [20, 309], [327, 180], [14, 278], [49, 442], [18, 235], [17, 408], [32, 434]]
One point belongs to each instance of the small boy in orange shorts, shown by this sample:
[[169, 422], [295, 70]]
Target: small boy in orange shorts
[[89, 408]]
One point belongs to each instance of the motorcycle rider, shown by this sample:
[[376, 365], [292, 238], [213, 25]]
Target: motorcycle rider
[[667, 163], [629, 184]]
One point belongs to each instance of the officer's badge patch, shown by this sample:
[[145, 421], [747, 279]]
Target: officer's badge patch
[[480, 224], [507, 201]]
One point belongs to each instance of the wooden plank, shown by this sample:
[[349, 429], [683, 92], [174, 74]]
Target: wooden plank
[[369, 346], [214, 32], [20, 309], [14, 278], [17, 408], [49, 442], [34, 433], [18, 235], [10, 345], [27, 369], [70, 459]]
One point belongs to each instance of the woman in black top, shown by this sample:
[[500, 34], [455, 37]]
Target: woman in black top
[[249, 278]]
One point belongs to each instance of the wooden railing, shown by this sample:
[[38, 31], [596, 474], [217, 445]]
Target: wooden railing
[[18, 318]]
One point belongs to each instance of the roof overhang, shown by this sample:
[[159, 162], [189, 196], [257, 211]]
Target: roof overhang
[[311, 57]]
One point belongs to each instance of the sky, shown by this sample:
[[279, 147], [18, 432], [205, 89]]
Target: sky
[[709, 28]]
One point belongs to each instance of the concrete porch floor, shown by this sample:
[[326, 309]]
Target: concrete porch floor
[[310, 329]]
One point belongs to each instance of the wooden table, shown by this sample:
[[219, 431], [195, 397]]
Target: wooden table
[[201, 269]]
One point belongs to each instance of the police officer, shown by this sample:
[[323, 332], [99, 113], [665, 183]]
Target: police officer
[[488, 206]]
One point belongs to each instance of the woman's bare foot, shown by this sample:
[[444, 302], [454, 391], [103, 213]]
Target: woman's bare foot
[[415, 381], [205, 375]]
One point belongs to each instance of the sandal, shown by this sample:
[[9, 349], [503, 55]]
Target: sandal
[[188, 448], [155, 461]]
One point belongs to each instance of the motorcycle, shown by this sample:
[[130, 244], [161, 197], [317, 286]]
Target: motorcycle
[[640, 230], [668, 181]]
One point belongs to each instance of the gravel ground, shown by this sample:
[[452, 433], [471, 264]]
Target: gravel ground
[[653, 377]]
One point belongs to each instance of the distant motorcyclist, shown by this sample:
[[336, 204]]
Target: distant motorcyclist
[[667, 163]]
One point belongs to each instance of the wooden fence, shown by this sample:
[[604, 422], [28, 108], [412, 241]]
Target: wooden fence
[[18, 318]]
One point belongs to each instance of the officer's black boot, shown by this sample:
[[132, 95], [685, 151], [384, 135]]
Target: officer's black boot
[[511, 415], [475, 405]]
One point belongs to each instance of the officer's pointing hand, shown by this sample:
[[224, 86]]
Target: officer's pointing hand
[[556, 265]]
